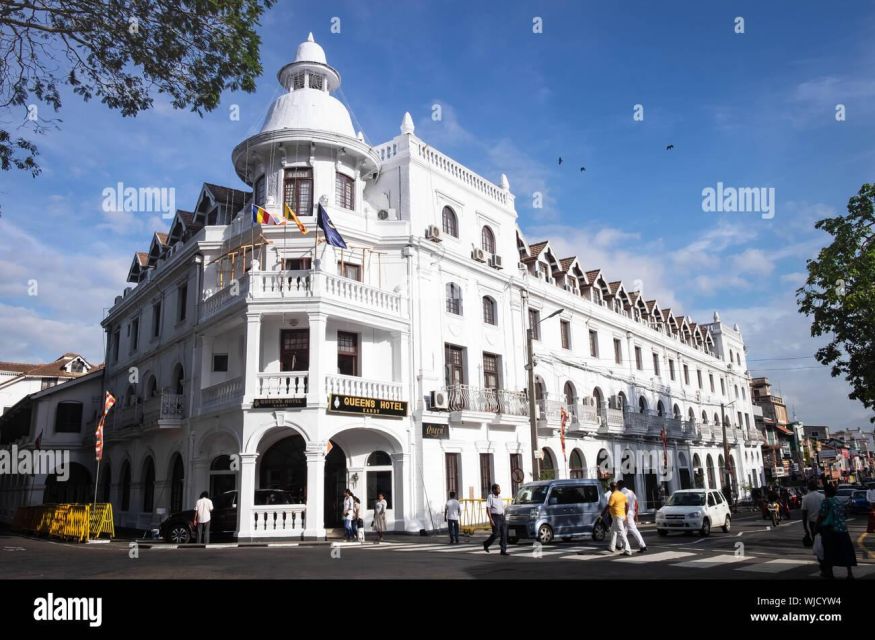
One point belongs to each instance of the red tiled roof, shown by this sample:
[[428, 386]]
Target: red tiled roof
[[615, 286], [650, 304], [48, 370], [142, 258], [565, 263], [592, 275], [536, 249]]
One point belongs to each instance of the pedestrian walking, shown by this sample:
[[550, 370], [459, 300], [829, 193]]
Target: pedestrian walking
[[358, 522], [632, 516], [202, 516], [618, 507], [811, 502], [380, 507], [495, 513], [348, 514], [452, 512], [838, 550]]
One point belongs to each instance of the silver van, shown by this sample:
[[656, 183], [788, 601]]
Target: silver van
[[552, 509]]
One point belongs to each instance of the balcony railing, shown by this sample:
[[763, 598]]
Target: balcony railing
[[637, 423], [355, 386], [674, 427], [277, 521], [691, 428], [267, 285], [283, 384], [463, 397], [167, 410], [225, 297], [224, 394], [612, 420]]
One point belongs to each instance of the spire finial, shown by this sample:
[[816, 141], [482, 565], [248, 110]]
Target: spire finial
[[407, 123], [310, 37], [505, 184]]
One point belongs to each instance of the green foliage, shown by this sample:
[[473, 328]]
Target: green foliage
[[121, 52], [839, 296]]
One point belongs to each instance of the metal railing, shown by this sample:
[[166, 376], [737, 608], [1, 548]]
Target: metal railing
[[463, 397]]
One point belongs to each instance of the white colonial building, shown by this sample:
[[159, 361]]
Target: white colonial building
[[248, 356]]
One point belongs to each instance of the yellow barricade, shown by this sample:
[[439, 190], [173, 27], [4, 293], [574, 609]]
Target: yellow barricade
[[474, 514], [80, 522]]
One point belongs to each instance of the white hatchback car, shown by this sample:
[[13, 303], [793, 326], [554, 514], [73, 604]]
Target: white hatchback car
[[694, 510]]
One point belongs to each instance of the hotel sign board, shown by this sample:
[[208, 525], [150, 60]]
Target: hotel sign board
[[435, 431], [279, 403], [338, 403]]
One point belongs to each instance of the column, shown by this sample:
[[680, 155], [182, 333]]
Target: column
[[399, 503], [319, 365], [245, 496], [315, 516], [253, 353]]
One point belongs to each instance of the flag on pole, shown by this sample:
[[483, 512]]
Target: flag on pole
[[563, 421], [332, 235], [263, 216], [290, 215], [108, 402]]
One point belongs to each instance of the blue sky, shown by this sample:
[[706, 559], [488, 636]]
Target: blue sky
[[749, 110]]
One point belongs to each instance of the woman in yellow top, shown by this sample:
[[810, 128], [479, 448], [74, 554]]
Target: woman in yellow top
[[618, 506]]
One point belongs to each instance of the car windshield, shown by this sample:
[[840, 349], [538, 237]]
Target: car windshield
[[531, 495], [686, 499], [844, 492]]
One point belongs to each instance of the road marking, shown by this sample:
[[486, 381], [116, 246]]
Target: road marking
[[458, 548], [655, 557], [775, 566], [710, 561], [424, 547]]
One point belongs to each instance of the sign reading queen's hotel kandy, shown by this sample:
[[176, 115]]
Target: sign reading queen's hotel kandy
[[367, 406]]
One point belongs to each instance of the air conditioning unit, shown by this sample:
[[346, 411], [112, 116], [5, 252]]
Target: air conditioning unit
[[478, 254], [495, 261], [439, 400], [433, 233], [382, 214]]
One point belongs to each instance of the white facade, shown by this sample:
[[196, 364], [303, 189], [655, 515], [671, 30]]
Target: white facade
[[290, 327]]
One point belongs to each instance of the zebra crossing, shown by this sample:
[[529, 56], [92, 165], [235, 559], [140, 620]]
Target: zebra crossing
[[699, 559]]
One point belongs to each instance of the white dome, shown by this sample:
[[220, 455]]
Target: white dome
[[309, 109], [309, 51]]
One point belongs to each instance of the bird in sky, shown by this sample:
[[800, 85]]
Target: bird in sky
[[669, 147], [583, 168], [560, 159]]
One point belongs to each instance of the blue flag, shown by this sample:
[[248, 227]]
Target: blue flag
[[332, 235]]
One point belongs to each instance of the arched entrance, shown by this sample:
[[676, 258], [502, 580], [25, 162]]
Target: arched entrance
[[698, 472], [77, 488], [709, 461], [222, 478], [686, 481], [548, 465], [284, 467], [177, 483], [577, 465], [335, 483]]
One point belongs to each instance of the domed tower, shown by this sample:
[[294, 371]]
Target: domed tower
[[307, 148]]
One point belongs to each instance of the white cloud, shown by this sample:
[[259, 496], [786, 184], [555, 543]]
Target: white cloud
[[754, 262]]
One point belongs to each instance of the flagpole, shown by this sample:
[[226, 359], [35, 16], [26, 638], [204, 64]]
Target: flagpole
[[96, 481]]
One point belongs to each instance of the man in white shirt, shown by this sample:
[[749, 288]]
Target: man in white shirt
[[202, 515], [632, 515], [811, 502], [452, 512], [870, 496], [495, 513]]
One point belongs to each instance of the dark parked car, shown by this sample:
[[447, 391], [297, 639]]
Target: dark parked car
[[858, 502], [179, 527]]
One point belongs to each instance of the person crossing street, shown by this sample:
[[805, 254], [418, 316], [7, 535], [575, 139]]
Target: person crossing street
[[632, 515], [495, 513], [618, 506]]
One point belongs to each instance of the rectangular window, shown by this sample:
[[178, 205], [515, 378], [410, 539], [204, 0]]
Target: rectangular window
[[181, 302], [711, 381], [344, 190], [298, 190], [454, 479], [487, 473], [722, 387], [535, 323], [347, 353], [516, 462], [295, 349], [220, 362], [116, 342], [739, 419], [747, 420], [639, 362], [618, 351], [686, 374], [68, 417], [656, 364], [671, 368], [565, 330], [135, 334], [351, 271], [260, 191], [156, 319], [455, 363], [491, 371], [297, 264], [699, 377], [593, 343]]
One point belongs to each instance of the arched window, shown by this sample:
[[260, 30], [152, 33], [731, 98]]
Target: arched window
[[709, 461], [125, 486], [621, 401], [489, 315], [676, 410], [451, 223], [151, 387], [454, 298], [704, 418], [691, 415], [487, 240], [379, 459], [569, 392], [599, 399], [222, 478], [177, 484], [576, 465], [716, 420], [178, 379], [642, 404], [660, 408], [548, 465], [148, 486], [131, 396]]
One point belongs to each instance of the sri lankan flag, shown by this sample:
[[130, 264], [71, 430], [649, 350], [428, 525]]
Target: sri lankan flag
[[263, 216], [290, 215]]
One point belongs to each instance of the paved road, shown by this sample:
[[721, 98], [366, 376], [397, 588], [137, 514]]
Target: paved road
[[750, 550]]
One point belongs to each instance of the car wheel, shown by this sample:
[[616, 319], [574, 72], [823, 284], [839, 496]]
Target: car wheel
[[513, 540], [705, 531], [661, 532], [599, 531], [545, 534], [727, 524], [178, 534]]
